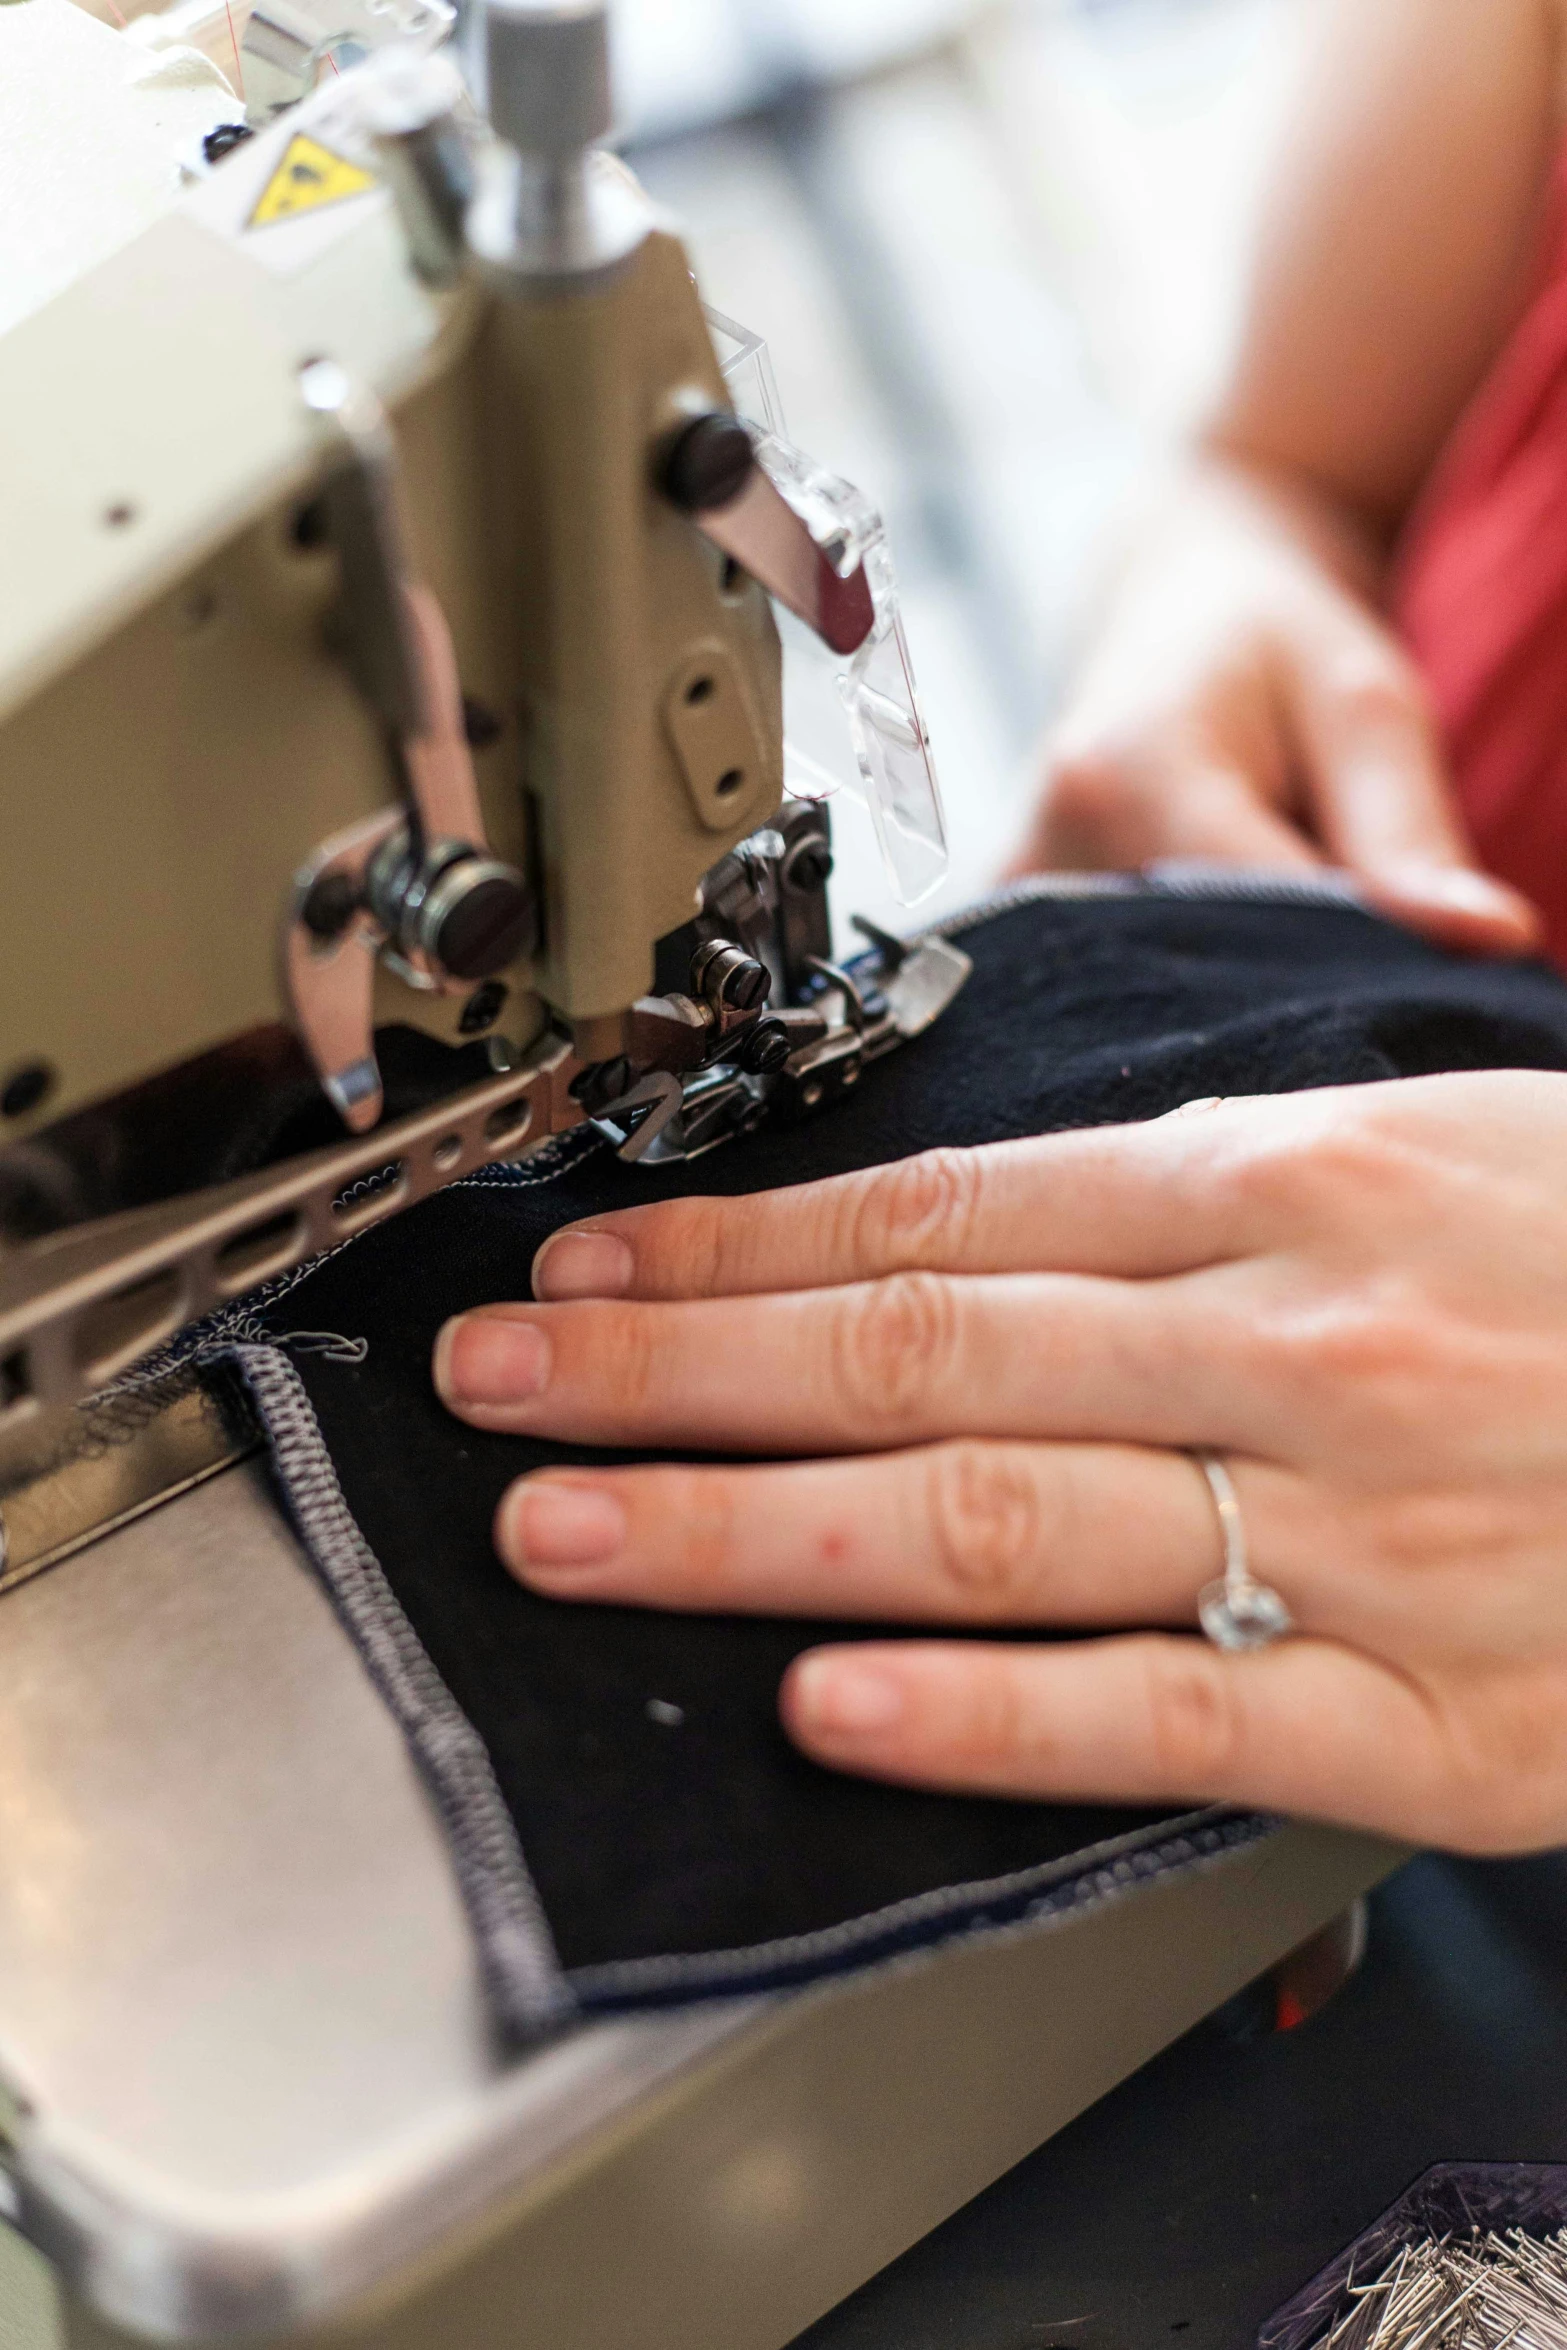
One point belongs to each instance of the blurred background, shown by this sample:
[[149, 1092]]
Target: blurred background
[[995, 247], [997, 253]]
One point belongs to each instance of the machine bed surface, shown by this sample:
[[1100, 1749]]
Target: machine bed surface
[[243, 2032]]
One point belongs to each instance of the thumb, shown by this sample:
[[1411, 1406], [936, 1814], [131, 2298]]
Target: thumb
[[1381, 798]]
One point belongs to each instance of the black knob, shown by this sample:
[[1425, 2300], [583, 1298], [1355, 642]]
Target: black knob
[[477, 919], [766, 1048], [808, 866], [707, 463]]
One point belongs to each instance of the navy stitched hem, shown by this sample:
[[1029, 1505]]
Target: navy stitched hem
[[1027, 1902], [528, 1990]]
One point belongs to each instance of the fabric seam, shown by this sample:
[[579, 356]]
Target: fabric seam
[[528, 1986], [1078, 1881]]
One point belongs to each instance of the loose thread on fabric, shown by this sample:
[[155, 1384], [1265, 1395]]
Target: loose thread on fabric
[[328, 1346]]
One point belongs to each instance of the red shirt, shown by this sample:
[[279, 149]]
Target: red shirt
[[1480, 597]]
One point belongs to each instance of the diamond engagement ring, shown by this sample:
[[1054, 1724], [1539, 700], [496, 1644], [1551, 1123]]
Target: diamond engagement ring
[[1237, 1612]]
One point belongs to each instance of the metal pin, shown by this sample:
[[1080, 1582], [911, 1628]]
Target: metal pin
[[1487, 2291]]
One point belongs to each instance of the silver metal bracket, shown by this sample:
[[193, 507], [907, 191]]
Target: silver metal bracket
[[78, 1308], [415, 885], [820, 578], [642, 1116]]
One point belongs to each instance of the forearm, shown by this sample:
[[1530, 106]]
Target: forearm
[[1280, 517], [1397, 249]]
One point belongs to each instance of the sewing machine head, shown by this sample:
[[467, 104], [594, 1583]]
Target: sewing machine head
[[388, 680]]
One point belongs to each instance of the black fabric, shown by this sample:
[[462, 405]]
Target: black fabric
[[649, 1835]]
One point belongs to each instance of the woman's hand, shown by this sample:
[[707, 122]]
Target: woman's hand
[[1358, 1298], [1244, 705]]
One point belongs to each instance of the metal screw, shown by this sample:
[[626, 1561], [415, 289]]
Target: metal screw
[[476, 918], [766, 1047], [725, 976]]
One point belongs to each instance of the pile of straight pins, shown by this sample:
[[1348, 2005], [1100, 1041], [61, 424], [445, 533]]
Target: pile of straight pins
[[1479, 2292]]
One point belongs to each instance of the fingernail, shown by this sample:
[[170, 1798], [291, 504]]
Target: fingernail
[[550, 1526], [582, 1264], [491, 1359], [842, 1700], [1458, 888], [1467, 891]]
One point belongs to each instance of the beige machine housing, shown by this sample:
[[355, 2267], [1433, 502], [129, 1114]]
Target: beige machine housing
[[177, 730]]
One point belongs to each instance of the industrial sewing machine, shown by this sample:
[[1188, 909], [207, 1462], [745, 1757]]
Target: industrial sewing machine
[[393, 777]]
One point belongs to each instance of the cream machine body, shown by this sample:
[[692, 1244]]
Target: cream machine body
[[389, 681]]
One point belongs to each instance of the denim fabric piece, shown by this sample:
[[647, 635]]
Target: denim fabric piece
[[629, 1823]]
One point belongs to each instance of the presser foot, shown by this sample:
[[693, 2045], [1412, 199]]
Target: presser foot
[[855, 1015]]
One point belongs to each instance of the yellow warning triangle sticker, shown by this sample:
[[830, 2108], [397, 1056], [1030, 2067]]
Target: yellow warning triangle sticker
[[308, 177]]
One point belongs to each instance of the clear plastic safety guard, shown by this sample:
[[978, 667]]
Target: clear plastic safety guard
[[856, 722]]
